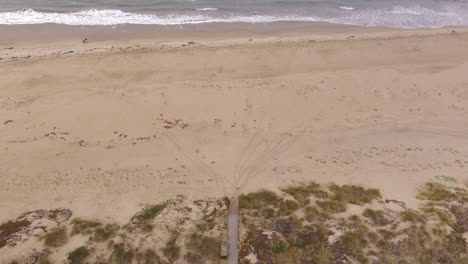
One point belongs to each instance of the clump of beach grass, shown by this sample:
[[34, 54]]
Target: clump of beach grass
[[78, 255], [332, 207], [56, 237], [287, 207], [171, 250], [302, 192], [84, 226], [149, 256], [207, 247], [106, 232], [121, 254], [353, 194], [376, 216], [193, 258], [149, 212], [436, 192], [144, 218], [258, 200]]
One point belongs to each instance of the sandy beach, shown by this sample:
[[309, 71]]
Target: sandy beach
[[106, 127]]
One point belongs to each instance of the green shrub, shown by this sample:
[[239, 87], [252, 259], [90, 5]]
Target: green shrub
[[278, 247], [56, 237], [78, 255]]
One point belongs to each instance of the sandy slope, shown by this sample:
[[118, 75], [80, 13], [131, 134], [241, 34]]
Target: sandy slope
[[105, 132]]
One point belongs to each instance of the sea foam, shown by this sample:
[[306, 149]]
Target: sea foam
[[406, 17], [115, 17]]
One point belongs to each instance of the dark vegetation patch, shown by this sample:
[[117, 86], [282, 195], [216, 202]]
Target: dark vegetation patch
[[14, 231], [149, 256], [122, 254], [193, 258], [56, 237], [436, 192], [311, 232], [332, 207], [143, 219], [106, 232], [302, 192], [78, 255], [258, 200], [354, 194], [207, 247], [377, 217], [171, 250], [9, 229], [83, 226]]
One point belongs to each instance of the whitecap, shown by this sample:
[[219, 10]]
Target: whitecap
[[207, 9]]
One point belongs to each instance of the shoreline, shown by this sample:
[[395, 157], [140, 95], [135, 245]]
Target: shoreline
[[19, 42]]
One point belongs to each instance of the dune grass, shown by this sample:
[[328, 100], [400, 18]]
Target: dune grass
[[376, 216], [78, 255], [106, 232], [301, 193], [171, 250], [258, 200], [84, 226], [207, 247], [56, 237], [149, 256]]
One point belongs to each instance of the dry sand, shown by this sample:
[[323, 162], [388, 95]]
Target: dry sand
[[121, 123]]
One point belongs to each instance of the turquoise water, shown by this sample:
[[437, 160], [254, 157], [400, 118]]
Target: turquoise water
[[391, 13]]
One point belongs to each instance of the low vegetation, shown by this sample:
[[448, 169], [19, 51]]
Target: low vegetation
[[106, 232], [377, 217], [56, 237], [149, 256], [83, 226], [122, 254], [315, 231], [10, 228], [207, 247], [143, 219], [258, 200], [78, 255], [172, 250], [306, 223]]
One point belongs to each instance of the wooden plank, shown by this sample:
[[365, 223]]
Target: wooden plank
[[233, 231]]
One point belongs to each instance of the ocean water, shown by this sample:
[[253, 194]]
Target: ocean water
[[389, 13]]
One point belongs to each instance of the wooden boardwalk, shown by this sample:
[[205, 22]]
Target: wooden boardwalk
[[233, 231]]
